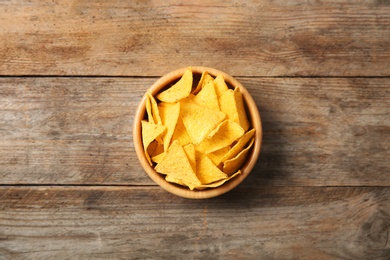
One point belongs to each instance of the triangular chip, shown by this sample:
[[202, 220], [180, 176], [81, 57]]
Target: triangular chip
[[205, 78], [176, 164], [220, 85], [216, 157], [207, 97], [206, 171], [169, 178], [217, 183], [232, 104], [158, 149], [224, 135], [199, 121], [152, 111], [150, 132], [180, 132], [235, 163], [179, 90], [239, 146], [169, 113], [159, 157], [191, 155]]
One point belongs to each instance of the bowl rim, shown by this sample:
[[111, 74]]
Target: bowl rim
[[181, 191]]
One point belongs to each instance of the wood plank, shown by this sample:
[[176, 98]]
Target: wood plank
[[150, 38], [146, 222], [317, 131]]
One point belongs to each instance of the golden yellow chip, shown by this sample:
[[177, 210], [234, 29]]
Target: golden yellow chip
[[199, 121], [205, 78], [220, 85], [150, 132], [169, 178], [207, 97], [159, 157], [206, 171], [158, 149], [224, 135], [239, 146], [180, 132], [153, 113], [169, 113], [217, 183], [191, 155], [179, 90], [235, 163], [216, 157], [176, 164], [232, 104]]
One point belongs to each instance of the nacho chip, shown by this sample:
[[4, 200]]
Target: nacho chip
[[224, 135], [220, 85], [169, 113], [216, 157], [150, 132], [207, 97], [191, 155], [217, 183], [169, 178], [239, 146], [159, 157], [180, 133], [232, 104], [199, 121], [176, 164], [153, 113], [206, 171], [159, 148], [235, 163], [205, 78], [179, 90]]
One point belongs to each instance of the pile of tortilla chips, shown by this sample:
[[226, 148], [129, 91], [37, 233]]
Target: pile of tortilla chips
[[198, 136]]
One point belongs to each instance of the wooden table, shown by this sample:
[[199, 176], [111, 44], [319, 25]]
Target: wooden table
[[73, 72]]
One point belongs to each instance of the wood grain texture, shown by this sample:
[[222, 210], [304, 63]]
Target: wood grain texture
[[317, 131], [146, 222], [150, 38]]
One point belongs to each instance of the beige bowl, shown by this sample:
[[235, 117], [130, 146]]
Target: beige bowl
[[253, 116]]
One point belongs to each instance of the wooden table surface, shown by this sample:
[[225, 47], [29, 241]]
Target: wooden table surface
[[73, 72]]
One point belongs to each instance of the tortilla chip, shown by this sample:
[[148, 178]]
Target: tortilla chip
[[199, 121], [205, 78], [190, 152], [224, 135], [179, 90], [216, 157], [159, 157], [153, 114], [169, 178], [232, 104], [180, 133], [220, 85], [239, 146], [150, 132], [206, 171], [217, 183], [176, 164], [235, 163], [169, 113], [207, 97]]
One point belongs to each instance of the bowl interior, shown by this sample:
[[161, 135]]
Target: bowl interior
[[253, 116]]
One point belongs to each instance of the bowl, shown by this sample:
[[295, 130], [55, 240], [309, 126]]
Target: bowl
[[253, 117]]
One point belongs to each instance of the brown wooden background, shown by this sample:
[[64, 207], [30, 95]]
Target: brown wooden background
[[73, 72]]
